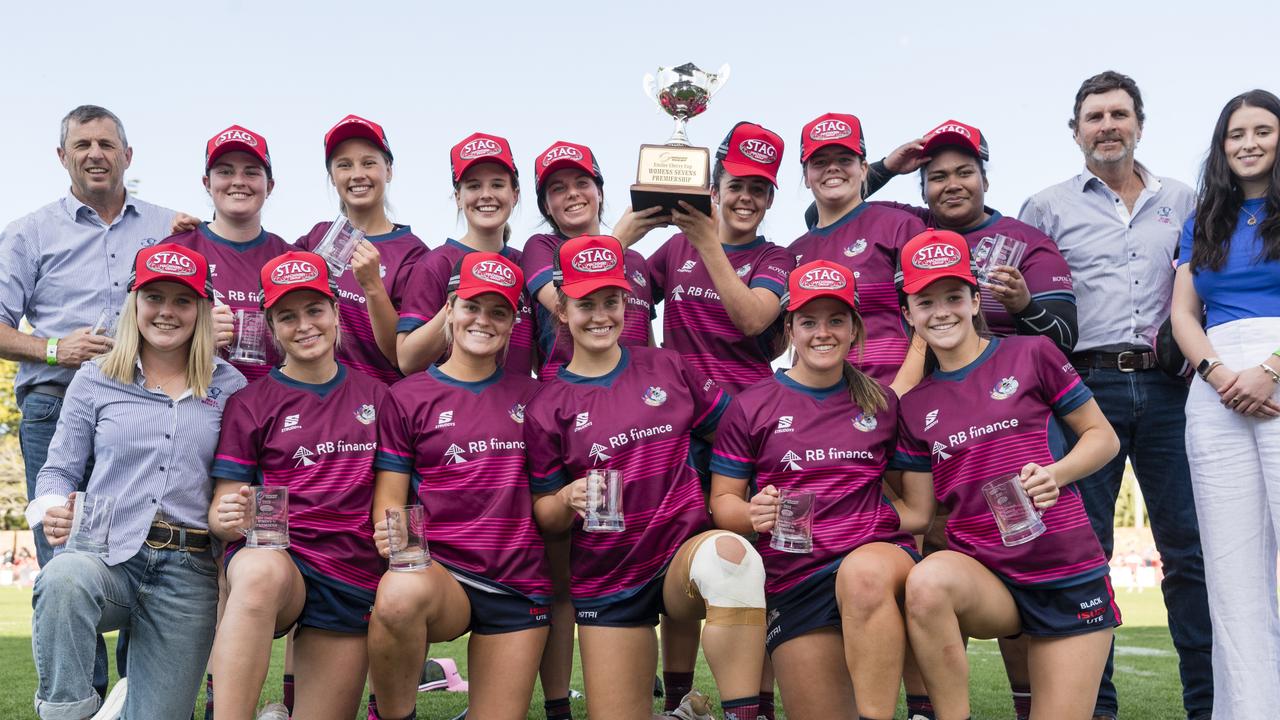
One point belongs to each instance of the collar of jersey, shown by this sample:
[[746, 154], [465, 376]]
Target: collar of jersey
[[605, 380], [241, 246], [848, 217], [504, 252], [962, 373], [397, 231], [817, 393], [475, 386], [744, 246], [995, 217], [321, 389]]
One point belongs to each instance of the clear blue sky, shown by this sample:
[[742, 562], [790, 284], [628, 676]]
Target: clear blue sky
[[536, 72]]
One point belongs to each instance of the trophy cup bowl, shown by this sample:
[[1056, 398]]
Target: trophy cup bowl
[[677, 171]]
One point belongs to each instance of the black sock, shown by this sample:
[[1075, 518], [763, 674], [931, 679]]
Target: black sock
[[288, 691], [1021, 700], [766, 705], [676, 685], [919, 706], [746, 708], [558, 709]]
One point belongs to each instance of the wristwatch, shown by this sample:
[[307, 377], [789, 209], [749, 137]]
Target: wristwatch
[[51, 351], [1206, 366]]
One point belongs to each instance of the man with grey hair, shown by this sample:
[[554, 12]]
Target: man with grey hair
[[1117, 225], [65, 268]]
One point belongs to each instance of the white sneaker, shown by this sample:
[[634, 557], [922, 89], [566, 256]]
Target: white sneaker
[[693, 706], [113, 705], [273, 711]]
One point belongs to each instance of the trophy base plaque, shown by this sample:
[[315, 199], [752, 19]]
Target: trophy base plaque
[[670, 173]]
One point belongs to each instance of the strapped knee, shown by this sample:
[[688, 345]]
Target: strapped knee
[[729, 575]]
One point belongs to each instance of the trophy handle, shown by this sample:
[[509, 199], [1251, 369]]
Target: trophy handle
[[650, 87], [721, 77]]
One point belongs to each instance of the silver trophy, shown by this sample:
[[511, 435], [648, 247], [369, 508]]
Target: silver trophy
[[683, 92]]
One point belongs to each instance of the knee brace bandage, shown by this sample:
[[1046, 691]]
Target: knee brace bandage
[[733, 589]]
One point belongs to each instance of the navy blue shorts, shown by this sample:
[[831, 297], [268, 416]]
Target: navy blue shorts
[[330, 605], [494, 613], [638, 609], [1064, 611], [809, 606]]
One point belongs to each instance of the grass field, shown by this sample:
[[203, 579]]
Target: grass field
[[1146, 668]]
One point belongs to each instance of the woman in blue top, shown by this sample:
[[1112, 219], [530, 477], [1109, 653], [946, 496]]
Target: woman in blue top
[[1226, 319]]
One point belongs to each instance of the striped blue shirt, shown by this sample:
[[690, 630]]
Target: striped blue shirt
[[150, 452], [61, 266], [1121, 262]]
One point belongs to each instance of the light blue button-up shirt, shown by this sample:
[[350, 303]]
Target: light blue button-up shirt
[[1121, 262], [150, 452], [61, 266]]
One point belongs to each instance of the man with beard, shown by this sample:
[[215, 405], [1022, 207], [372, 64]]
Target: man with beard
[[1117, 225]]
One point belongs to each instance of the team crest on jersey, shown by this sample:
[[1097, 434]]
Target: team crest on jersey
[[655, 396], [594, 260], [480, 147], [638, 278], [856, 248], [742, 271], [788, 461], [935, 256], [688, 266], [293, 272], [366, 414], [864, 422], [1005, 388], [382, 270], [759, 150], [517, 412], [171, 263]]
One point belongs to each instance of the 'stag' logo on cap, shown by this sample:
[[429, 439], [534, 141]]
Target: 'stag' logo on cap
[[494, 273], [830, 130], [935, 256], [171, 263], [236, 136], [759, 150], [480, 147], [594, 260], [822, 279], [562, 152], [292, 272], [953, 128]]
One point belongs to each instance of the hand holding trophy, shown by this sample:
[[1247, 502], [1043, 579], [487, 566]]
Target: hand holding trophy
[[676, 171]]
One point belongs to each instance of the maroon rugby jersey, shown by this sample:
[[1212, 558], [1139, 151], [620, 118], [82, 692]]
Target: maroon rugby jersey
[[236, 268], [639, 418], [463, 445], [867, 240], [319, 441], [695, 323], [788, 435], [1042, 267], [989, 418], [555, 342], [429, 287], [398, 250]]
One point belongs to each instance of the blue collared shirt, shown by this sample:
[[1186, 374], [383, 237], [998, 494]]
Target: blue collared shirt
[[1121, 262], [61, 266], [151, 453]]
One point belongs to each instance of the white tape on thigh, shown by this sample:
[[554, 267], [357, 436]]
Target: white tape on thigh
[[724, 583]]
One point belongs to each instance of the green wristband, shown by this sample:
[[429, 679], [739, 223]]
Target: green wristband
[[51, 351]]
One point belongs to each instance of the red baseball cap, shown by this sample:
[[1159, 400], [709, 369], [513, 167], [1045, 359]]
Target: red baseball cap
[[933, 255], [562, 155], [832, 129], [354, 126], [478, 273], [954, 132], [590, 262], [478, 148], [818, 279], [169, 262], [236, 138], [751, 150], [295, 270]]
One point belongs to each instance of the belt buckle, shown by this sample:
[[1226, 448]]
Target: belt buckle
[[1120, 361], [164, 544]]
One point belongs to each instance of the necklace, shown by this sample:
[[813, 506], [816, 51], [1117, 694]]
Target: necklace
[[161, 383], [1253, 219]]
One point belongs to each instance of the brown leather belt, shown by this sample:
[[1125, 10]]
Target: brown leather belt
[[166, 536]]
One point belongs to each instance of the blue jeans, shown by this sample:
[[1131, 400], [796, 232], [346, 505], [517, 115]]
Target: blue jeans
[[169, 602], [1147, 411]]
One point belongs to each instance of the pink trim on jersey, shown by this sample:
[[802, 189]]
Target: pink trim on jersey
[[733, 457], [1065, 390], [415, 316], [397, 453], [735, 373], [710, 409], [693, 314], [992, 461], [327, 566], [236, 460]]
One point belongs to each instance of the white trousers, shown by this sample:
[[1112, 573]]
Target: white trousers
[[1235, 474]]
